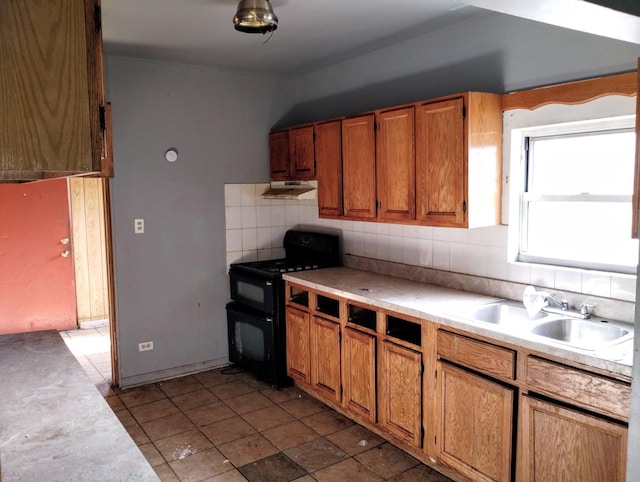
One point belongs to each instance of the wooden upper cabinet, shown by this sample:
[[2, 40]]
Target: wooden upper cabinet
[[328, 148], [53, 116], [301, 156], [395, 165], [636, 180], [279, 155], [459, 160], [359, 167]]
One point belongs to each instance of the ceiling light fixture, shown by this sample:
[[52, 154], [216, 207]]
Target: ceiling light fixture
[[255, 16]]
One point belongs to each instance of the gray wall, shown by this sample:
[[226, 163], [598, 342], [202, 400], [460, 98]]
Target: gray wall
[[494, 53], [171, 283]]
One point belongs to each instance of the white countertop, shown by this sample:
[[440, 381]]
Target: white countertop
[[436, 304]]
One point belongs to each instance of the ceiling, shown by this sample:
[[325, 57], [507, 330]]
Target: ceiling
[[315, 34], [310, 35]]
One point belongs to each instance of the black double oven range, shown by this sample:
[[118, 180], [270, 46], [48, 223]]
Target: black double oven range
[[256, 316]]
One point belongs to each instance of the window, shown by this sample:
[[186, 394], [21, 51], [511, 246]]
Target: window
[[576, 205]]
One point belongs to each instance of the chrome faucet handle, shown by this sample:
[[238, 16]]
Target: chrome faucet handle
[[585, 309]]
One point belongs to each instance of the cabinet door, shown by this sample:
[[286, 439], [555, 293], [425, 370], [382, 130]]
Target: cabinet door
[[50, 89], [476, 420], [359, 369], [329, 168], [325, 357], [400, 392], [395, 165], [298, 344], [302, 160], [566, 445], [279, 155], [359, 167], [441, 181]]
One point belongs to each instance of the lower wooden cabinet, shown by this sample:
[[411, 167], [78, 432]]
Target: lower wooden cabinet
[[324, 339], [566, 445], [476, 421], [297, 324], [400, 392], [359, 373]]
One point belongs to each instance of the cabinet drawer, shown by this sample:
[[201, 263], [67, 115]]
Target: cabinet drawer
[[479, 355], [575, 386]]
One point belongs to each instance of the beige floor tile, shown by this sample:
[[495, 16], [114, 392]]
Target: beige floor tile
[[151, 454], [248, 449], [231, 476], [213, 378], [183, 445], [165, 473], [196, 399], [227, 430], [267, 418], [231, 390], [316, 454], [200, 466], [327, 422], [303, 406], [349, 469], [355, 439], [141, 395], [386, 460], [279, 395], [208, 414], [420, 473], [248, 403], [179, 386], [167, 426], [290, 435], [125, 417], [153, 410], [138, 435]]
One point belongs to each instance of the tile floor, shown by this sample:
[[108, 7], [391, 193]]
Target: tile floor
[[226, 426]]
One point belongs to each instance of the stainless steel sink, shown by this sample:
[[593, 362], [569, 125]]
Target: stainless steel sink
[[592, 334], [499, 313]]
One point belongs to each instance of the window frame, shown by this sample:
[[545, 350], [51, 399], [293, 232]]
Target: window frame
[[624, 123]]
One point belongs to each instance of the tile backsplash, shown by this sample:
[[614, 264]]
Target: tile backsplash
[[255, 228]]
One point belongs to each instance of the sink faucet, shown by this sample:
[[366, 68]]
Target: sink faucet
[[562, 304]]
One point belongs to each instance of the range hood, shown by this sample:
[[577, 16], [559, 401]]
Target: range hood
[[291, 190]]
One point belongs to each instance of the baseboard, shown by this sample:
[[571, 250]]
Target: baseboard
[[162, 375], [86, 325]]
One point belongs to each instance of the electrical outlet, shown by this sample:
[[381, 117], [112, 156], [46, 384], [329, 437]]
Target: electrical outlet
[[145, 346], [138, 226]]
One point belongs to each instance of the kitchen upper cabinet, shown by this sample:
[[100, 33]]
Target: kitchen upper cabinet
[[564, 444], [279, 155], [297, 325], [359, 373], [400, 392], [458, 160], [395, 165], [291, 154], [302, 155], [53, 115], [476, 420], [359, 167], [328, 149]]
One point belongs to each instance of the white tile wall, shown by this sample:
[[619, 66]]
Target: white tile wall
[[256, 227]]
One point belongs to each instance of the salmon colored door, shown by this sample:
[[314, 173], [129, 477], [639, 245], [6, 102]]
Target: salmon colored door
[[36, 266]]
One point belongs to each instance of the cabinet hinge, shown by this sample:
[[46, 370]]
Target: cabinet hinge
[[103, 118], [464, 206], [464, 112], [97, 17]]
